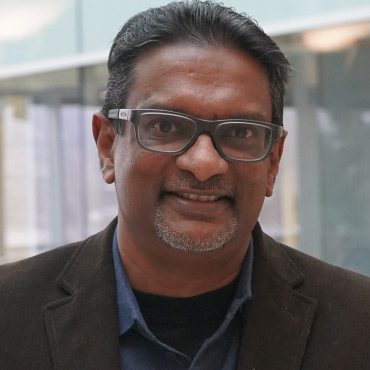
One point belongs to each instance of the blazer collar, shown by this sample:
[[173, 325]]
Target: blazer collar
[[278, 320], [82, 324]]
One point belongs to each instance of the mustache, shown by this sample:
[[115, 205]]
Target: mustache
[[187, 181]]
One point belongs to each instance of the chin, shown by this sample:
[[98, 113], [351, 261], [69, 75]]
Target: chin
[[192, 240]]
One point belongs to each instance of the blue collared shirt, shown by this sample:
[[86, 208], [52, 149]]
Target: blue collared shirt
[[140, 349]]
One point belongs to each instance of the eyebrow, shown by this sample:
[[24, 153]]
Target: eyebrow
[[254, 116]]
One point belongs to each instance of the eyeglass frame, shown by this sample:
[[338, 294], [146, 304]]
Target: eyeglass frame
[[201, 126]]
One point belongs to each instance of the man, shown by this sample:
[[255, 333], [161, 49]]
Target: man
[[191, 135]]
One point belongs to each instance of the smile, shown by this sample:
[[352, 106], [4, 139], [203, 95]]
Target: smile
[[198, 205], [200, 198]]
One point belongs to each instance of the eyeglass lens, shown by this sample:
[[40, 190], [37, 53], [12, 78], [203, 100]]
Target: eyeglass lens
[[165, 132]]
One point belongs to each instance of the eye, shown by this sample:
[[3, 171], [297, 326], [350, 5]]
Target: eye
[[160, 127], [239, 131], [164, 127], [242, 132]]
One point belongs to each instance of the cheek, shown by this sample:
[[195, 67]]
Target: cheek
[[144, 168], [138, 177], [253, 175], [252, 187], [131, 162]]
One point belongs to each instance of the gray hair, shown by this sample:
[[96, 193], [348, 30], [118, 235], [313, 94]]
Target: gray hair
[[196, 22]]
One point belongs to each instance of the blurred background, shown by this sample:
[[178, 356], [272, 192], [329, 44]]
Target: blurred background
[[52, 77]]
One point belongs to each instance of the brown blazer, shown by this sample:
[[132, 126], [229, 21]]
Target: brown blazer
[[58, 311]]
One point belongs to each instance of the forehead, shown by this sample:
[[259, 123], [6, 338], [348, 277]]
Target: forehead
[[206, 81]]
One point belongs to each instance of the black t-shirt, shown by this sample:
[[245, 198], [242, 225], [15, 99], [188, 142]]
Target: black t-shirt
[[185, 323]]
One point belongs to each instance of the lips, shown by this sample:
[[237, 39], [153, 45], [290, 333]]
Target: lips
[[199, 198], [196, 204], [207, 193]]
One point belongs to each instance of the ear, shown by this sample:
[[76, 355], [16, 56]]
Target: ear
[[274, 161], [104, 137]]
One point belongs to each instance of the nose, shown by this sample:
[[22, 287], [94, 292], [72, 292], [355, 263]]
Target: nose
[[202, 159]]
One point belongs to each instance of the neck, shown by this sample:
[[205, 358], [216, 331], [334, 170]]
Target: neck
[[159, 269]]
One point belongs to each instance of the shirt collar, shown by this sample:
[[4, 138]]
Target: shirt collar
[[128, 308], [129, 312]]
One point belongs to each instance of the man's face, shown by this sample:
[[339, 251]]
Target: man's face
[[195, 201]]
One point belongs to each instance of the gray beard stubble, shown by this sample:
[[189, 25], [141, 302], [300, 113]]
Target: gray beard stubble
[[183, 242]]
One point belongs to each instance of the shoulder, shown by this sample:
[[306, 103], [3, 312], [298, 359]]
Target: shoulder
[[315, 273], [339, 294], [321, 276], [342, 296], [26, 287], [30, 288], [27, 276], [339, 298], [37, 276]]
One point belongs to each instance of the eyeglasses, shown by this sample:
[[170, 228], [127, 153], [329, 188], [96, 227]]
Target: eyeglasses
[[173, 133]]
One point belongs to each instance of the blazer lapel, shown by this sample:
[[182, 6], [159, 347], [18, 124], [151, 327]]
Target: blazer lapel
[[82, 325], [278, 320]]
